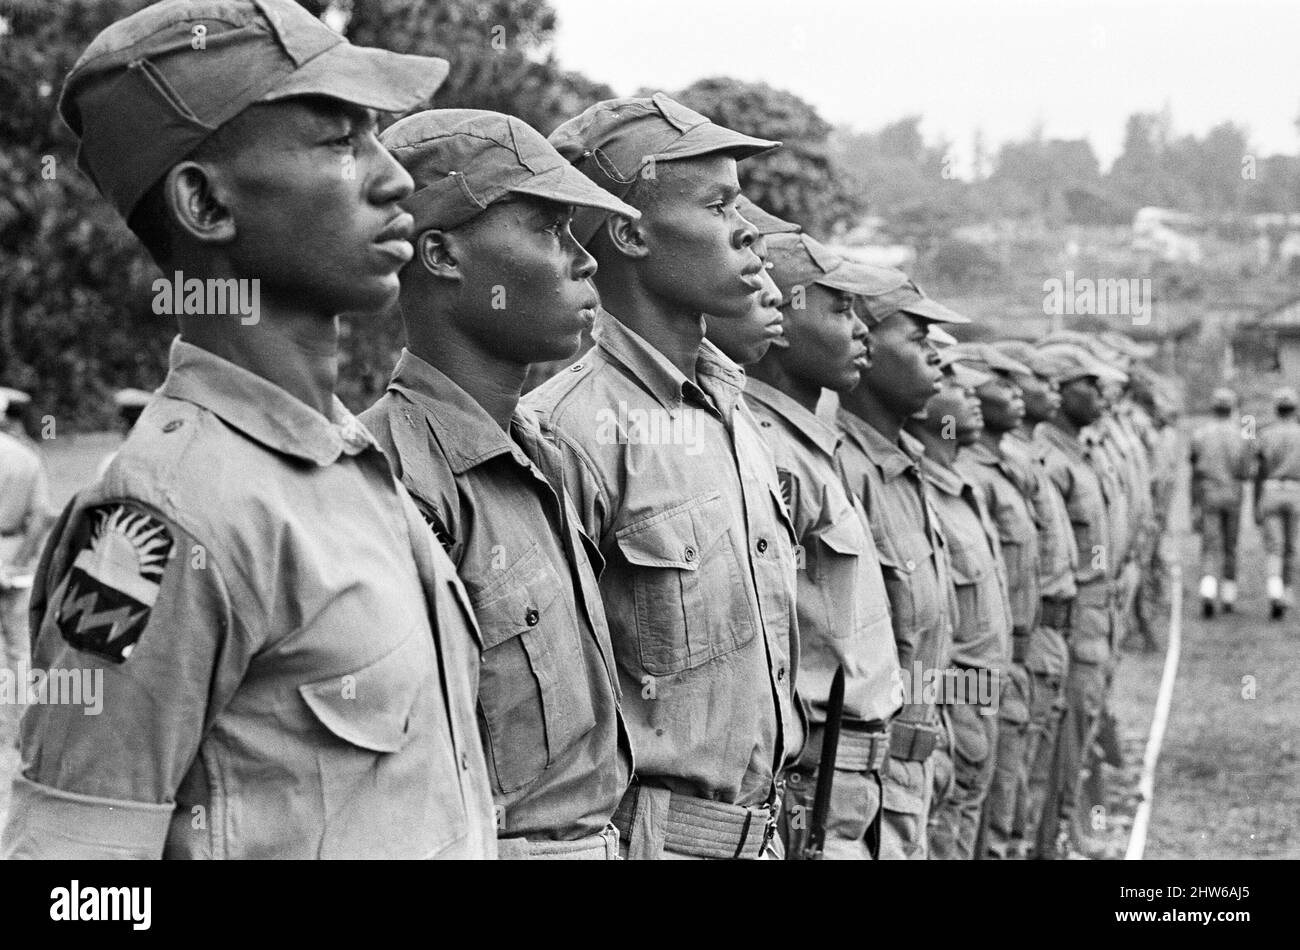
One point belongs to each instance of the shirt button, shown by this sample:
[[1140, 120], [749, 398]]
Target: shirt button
[[780, 673], [762, 545], [689, 554], [173, 425], [531, 616], [909, 564], [464, 761], [575, 368]]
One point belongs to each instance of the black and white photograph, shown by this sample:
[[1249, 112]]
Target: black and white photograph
[[621, 431]]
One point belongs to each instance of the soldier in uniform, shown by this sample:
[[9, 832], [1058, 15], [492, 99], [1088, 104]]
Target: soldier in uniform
[[842, 606], [498, 281], [883, 466], [1070, 463], [24, 522], [1048, 655], [1277, 499], [287, 662], [1220, 467], [1007, 492], [673, 482], [981, 648]]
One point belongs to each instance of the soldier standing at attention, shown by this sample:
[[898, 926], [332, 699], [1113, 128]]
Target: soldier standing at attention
[[1277, 499], [882, 464], [498, 281], [1008, 496], [1048, 657], [1220, 464], [842, 606], [674, 483], [1070, 466], [981, 648], [288, 662]]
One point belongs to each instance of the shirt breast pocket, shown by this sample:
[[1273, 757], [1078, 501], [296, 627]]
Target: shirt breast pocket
[[534, 696], [391, 734], [898, 567], [837, 551], [970, 577], [685, 578]]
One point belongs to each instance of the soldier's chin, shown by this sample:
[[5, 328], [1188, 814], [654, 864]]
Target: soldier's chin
[[376, 296]]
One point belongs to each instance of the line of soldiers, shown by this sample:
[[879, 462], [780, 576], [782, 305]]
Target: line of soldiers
[[1226, 453], [601, 620]]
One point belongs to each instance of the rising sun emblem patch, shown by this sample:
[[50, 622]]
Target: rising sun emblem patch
[[114, 581]]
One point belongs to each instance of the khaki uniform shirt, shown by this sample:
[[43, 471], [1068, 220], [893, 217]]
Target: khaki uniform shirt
[[1108, 457], [887, 478], [548, 702], [253, 591], [1058, 557], [982, 632], [1220, 463], [676, 486], [842, 605], [1278, 451], [1070, 466], [1005, 496]]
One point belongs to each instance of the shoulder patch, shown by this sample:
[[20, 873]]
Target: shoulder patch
[[436, 525], [114, 580], [789, 489]]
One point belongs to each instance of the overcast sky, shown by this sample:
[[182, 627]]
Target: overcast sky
[[1080, 68]]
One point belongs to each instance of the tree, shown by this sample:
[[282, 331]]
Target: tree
[[800, 180], [75, 317]]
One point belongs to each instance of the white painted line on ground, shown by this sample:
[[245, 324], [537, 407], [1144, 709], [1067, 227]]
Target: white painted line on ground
[[1137, 841]]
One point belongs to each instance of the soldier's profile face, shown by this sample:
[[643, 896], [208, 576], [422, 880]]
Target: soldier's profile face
[[827, 340], [1001, 404], [701, 255], [1042, 398], [954, 413], [1082, 401], [747, 339], [525, 283], [314, 200], [904, 370]]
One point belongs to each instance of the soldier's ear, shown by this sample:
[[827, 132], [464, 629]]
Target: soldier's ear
[[626, 236], [195, 200], [436, 251]]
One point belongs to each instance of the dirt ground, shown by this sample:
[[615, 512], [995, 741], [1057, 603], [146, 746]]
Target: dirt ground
[[1228, 781]]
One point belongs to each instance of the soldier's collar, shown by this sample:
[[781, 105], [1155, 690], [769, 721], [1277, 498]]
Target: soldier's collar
[[654, 371], [260, 409], [947, 480], [1061, 439], [798, 420], [979, 452], [892, 460], [466, 433]]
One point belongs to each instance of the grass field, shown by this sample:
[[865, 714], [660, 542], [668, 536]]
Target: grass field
[[1228, 781]]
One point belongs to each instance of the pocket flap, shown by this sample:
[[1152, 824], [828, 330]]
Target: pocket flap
[[966, 568], [519, 602], [844, 536], [370, 707], [674, 538]]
